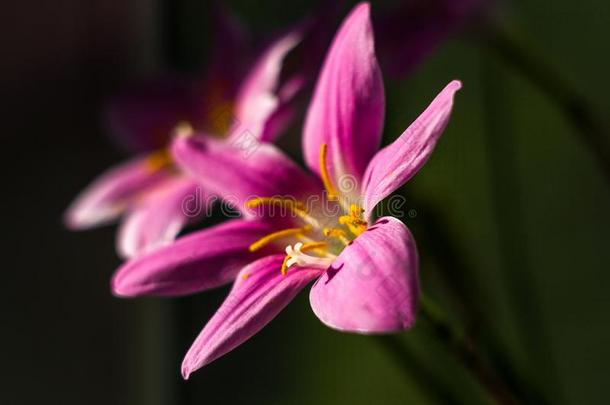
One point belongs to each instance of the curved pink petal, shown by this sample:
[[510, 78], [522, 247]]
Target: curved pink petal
[[158, 218], [143, 116], [372, 287], [195, 262], [395, 164], [241, 171], [259, 95], [110, 194], [258, 295], [347, 108]]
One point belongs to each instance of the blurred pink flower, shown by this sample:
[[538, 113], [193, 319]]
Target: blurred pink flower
[[149, 190]]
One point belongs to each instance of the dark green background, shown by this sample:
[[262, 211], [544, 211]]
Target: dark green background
[[511, 182]]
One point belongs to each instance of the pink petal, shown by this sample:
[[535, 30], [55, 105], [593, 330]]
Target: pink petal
[[111, 193], [258, 295], [395, 164], [347, 109], [195, 262], [258, 98], [158, 218], [240, 172], [372, 287]]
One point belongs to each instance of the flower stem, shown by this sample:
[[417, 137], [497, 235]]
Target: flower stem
[[516, 52], [463, 348]]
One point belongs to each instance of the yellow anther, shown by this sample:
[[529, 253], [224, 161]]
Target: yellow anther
[[284, 268], [158, 160], [354, 220], [245, 276], [355, 210], [278, 235], [328, 185], [297, 207]]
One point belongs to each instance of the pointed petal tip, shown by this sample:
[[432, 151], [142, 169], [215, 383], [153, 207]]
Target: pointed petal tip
[[360, 14], [455, 85], [69, 221], [363, 8], [186, 372], [192, 362], [117, 287], [79, 217], [121, 286]]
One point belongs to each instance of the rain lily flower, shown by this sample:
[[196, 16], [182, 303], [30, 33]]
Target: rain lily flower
[[366, 271], [149, 191]]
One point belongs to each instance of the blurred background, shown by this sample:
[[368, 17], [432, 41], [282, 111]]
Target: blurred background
[[510, 215]]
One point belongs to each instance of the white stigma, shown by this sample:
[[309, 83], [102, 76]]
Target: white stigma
[[299, 258]]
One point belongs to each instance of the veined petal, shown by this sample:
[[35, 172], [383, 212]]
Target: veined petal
[[143, 116], [195, 262], [395, 164], [258, 295], [111, 193], [372, 287], [239, 172], [157, 219], [347, 108], [259, 97]]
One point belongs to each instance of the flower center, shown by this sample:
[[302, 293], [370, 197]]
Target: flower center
[[325, 231]]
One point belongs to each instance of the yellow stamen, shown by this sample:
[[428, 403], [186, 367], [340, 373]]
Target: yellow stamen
[[293, 205], [355, 210], [278, 235], [284, 268], [318, 247], [313, 246], [245, 276], [337, 234], [158, 160], [328, 185]]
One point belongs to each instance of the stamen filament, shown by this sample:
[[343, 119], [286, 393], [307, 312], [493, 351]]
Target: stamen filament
[[281, 201], [332, 194], [278, 235], [284, 268], [313, 246]]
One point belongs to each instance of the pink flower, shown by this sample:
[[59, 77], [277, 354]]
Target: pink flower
[[366, 272], [149, 190]]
